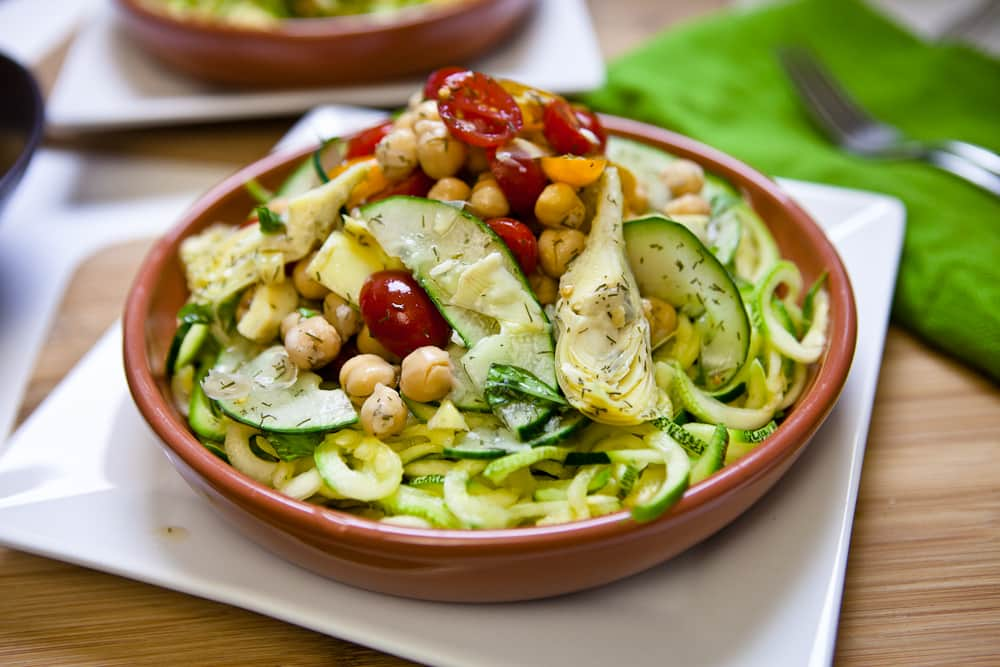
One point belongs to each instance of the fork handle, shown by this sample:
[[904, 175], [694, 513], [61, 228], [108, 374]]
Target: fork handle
[[981, 157], [966, 170]]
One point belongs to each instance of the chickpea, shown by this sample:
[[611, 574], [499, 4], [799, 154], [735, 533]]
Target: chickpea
[[306, 284], [557, 248], [289, 321], [428, 110], [345, 319], [383, 412], [688, 205], [662, 319], [683, 177], [405, 120], [440, 154], [559, 206], [545, 288], [487, 199], [312, 343], [368, 344], [397, 154], [450, 189], [359, 375], [476, 160], [426, 374]]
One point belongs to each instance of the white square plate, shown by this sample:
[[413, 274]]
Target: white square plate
[[107, 81], [83, 481]]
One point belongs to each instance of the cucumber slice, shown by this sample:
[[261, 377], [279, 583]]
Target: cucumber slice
[[202, 419], [671, 264], [302, 407]]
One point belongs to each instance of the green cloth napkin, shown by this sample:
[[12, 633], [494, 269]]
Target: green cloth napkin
[[719, 81]]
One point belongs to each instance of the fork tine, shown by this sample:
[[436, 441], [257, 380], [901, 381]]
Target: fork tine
[[817, 111], [828, 94]]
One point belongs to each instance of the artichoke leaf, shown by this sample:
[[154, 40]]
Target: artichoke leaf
[[603, 352]]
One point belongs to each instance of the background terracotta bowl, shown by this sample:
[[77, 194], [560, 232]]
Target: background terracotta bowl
[[491, 565], [325, 51]]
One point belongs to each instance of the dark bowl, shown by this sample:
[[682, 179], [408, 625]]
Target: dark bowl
[[22, 124], [325, 51], [489, 565]]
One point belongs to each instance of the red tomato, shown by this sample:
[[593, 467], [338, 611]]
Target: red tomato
[[436, 80], [364, 142], [565, 132], [589, 120], [478, 110], [399, 313], [519, 175], [519, 239], [417, 184]]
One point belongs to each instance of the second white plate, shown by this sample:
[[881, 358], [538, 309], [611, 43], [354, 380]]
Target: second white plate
[[108, 82]]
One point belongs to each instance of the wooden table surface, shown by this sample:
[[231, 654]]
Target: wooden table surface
[[923, 577]]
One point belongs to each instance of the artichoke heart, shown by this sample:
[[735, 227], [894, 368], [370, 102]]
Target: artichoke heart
[[603, 354]]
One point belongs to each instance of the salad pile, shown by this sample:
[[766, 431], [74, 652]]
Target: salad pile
[[488, 313], [266, 12]]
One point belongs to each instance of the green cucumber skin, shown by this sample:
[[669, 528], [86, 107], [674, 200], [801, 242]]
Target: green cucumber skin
[[202, 419], [713, 458], [670, 263]]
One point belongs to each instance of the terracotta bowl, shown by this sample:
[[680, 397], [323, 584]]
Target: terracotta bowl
[[325, 51], [490, 565]]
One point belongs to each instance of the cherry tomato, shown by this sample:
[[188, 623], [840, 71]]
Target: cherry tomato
[[519, 174], [589, 120], [478, 110], [565, 132], [417, 184], [399, 313], [519, 239], [364, 142], [436, 80]]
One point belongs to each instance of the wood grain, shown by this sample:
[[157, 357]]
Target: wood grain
[[923, 578]]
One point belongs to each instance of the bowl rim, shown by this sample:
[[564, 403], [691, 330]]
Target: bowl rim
[[37, 130], [791, 437], [342, 27]]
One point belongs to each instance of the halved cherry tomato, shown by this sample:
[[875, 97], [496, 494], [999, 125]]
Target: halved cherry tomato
[[363, 143], [565, 132], [417, 184], [399, 313], [478, 110], [519, 175], [589, 120], [436, 80], [519, 239]]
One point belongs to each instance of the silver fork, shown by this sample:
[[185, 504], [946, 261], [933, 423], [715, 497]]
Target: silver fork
[[856, 131]]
